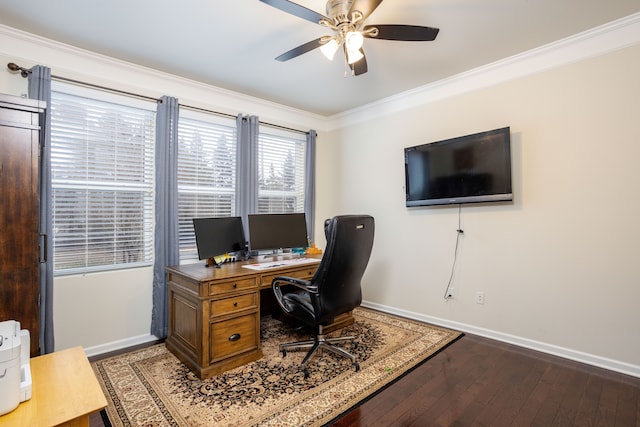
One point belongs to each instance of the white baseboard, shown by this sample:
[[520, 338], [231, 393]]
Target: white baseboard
[[119, 345], [578, 356]]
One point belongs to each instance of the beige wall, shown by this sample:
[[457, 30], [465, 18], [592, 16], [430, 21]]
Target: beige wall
[[103, 311], [558, 266]]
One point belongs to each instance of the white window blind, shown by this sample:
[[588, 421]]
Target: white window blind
[[206, 174], [281, 171], [102, 167]]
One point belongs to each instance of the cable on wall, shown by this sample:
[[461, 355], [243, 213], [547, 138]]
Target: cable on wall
[[459, 233]]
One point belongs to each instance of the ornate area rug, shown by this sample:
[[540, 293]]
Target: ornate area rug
[[151, 387]]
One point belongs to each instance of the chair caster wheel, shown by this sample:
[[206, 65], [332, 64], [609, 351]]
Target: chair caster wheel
[[356, 365], [284, 353], [306, 373]]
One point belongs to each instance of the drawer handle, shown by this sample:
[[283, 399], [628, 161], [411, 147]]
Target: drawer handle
[[235, 285], [235, 304], [234, 337]]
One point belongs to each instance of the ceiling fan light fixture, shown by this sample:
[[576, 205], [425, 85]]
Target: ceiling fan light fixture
[[354, 56], [346, 20], [353, 40], [329, 49]]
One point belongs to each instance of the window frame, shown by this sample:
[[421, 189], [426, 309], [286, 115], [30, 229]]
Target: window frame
[[271, 135], [187, 249], [144, 188]]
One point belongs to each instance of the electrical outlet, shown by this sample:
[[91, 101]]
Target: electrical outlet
[[451, 293], [479, 297]]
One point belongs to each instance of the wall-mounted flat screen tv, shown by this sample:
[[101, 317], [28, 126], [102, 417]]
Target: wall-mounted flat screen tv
[[467, 169]]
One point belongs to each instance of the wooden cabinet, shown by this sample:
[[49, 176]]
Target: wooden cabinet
[[214, 318], [214, 313], [20, 121]]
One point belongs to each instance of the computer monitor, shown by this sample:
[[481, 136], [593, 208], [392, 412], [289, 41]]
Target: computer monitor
[[277, 231], [218, 236]]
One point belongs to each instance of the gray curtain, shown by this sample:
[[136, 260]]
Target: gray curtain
[[310, 180], [166, 209], [247, 128], [39, 87]]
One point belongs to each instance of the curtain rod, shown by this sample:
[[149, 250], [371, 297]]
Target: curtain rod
[[24, 72]]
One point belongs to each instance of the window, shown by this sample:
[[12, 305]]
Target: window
[[102, 166], [281, 171], [102, 172], [206, 173]]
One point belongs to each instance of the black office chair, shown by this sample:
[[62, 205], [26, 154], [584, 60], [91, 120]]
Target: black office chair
[[335, 287]]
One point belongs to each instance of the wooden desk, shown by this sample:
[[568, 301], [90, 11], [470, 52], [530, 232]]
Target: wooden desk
[[214, 313], [64, 392]]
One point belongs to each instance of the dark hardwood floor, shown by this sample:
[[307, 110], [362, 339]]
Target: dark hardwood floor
[[481, 382]]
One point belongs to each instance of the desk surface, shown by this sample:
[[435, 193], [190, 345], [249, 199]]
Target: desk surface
[[64, 389], [200, 272]]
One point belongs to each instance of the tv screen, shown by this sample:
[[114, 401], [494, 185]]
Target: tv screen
[[277, 231], [467, 169], [218, 236]]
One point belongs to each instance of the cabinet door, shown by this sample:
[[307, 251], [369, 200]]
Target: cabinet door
[[19, 288]]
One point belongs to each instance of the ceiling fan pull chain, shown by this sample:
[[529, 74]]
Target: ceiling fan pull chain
[[350, 70]]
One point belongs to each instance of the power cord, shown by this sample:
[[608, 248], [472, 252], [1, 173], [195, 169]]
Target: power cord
[[459, 232]]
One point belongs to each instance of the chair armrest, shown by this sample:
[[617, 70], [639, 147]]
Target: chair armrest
[[299, 283], [285, 280]]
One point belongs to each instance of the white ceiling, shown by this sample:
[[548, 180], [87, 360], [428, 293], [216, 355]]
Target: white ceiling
[[232, 44]]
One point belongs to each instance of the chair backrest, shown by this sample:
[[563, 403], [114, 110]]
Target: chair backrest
[[345, 259]]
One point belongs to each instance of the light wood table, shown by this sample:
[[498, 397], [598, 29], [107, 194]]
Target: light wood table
[[64, 392]]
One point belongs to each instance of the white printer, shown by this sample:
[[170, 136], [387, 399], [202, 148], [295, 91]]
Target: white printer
[[15, 368]]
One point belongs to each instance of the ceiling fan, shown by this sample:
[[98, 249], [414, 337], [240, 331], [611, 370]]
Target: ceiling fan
[[346, 18]]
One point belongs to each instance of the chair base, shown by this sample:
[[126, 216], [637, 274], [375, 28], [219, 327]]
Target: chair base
[[319, 343]]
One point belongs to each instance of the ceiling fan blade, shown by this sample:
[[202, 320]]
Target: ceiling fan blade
[[296, 10], [413, 33], [360, 67], [297, 51], [366, 7]]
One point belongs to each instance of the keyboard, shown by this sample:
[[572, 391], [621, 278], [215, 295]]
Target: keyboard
[[267, 265]]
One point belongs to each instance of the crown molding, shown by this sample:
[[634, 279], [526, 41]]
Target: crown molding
[[67, 59], [71, 62], [616, 35]]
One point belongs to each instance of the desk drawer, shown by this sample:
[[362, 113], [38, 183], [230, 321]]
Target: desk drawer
[[232, 285], [300, 273], [233, 304], [234, 336]]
